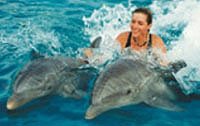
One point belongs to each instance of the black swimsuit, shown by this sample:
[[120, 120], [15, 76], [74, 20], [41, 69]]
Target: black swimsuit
[[128, 42]]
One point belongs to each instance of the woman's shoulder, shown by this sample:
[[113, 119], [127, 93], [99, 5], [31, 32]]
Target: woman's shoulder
[[123, 36], [157, 42], [157, 39]]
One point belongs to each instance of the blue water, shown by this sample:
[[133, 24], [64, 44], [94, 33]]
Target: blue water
[[62, 27]]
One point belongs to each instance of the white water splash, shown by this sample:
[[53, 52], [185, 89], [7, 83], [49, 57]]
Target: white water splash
[[104, 54], [187, 47], [28, 37], [107, 21]]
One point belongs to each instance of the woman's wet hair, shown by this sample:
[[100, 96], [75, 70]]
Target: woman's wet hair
[[146, 12]]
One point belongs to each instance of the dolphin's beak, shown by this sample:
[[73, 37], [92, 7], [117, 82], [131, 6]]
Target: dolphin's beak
[[16, 101], [90, 114], [93, 111]]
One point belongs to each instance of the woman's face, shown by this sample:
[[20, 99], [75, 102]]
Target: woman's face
[[139, 25]]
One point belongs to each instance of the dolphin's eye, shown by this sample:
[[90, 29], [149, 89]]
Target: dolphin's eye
[[128, 91], [49, 88]]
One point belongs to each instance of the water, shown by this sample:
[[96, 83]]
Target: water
[[61, 28]]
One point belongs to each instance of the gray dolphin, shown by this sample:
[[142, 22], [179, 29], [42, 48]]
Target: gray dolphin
[[128, 81], [45, 76]]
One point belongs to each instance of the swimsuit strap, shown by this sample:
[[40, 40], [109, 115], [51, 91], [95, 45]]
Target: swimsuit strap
[[128, 42], [150, 42]]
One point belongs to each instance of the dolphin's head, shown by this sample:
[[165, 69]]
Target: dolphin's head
[[29, 85], [114, 100], [118, 85]]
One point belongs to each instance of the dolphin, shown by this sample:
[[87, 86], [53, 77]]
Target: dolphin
[[46, 76], [130, 80]]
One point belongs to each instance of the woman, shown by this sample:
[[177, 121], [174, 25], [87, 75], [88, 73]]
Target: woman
[[139, 38]]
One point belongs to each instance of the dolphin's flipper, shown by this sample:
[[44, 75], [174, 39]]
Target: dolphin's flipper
[[160, 95], [79, 94], [162, 103], [96, 42], [70, 91], [176, 66], [77, 86]]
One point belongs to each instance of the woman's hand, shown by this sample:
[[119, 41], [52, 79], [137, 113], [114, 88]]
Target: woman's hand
[[88, 52]]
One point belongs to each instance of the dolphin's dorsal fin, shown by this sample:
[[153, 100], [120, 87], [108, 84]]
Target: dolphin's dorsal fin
[[36, 55], [96, 42], [172, 67], [167, 72]]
